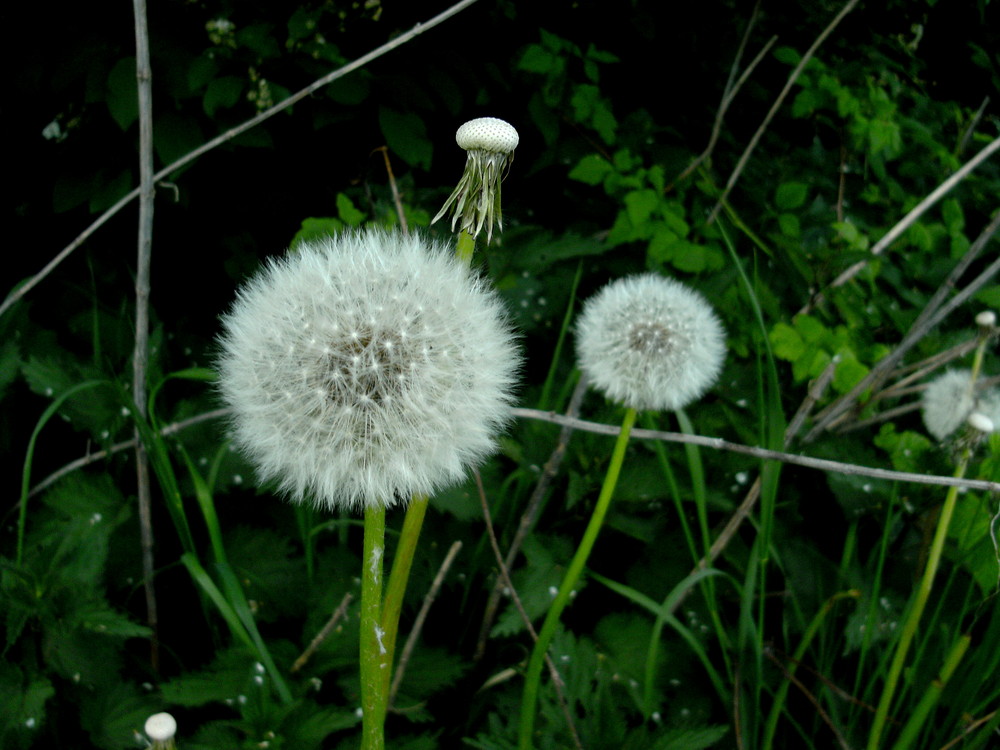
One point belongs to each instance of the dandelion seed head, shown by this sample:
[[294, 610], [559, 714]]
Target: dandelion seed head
[[337, 360], [650, 342], [947, 402]]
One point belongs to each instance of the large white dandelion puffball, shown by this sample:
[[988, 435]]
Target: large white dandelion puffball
[[365, 368], [949, 400], [650, 342]]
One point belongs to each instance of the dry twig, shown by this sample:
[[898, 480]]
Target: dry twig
[[253, 122]]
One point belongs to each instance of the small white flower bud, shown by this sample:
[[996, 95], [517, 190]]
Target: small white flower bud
[[161, 727], [986, 319], [980, 422], [487, 134]]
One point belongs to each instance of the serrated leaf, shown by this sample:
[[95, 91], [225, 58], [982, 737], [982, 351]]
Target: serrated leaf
[[101, 619], [691, 739], [228, 676]]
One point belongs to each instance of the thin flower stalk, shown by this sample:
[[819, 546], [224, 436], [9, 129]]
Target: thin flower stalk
[[374, 654], [532, 681]]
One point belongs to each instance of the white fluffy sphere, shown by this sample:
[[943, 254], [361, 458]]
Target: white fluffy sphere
[[161, 727], [365, 368], [650, 342], [947, 402]]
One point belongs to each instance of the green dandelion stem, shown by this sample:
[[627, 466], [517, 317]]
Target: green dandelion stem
[[466, 247], [917, 609], [399, 576], [374, 655], [573, 573]]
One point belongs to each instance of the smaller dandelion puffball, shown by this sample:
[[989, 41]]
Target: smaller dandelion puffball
[[980, 422], [475, 202], [365, 368], [947, 402], [650, 342], [161, 727]]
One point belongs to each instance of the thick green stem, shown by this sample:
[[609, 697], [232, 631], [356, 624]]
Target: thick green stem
[[466, 247], [402, 561], [534, 674], [374, 662], [919, 603]]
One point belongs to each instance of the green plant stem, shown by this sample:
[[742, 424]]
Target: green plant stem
[[374, 690], [466, 247], [917, 609], [930, 699], [50, 411], [402, 561], [800, 652], [529, 700]]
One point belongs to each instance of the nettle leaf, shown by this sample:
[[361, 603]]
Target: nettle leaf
[[222, 93], [908, 450], [97, 409], [274, 582], [431, 669], [23, 699], [536, 583], [115, 716], [699, 738], [970, 530], [80, 655], [102, 619], [225, 679]]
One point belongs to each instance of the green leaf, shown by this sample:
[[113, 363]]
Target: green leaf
[[406, 135], [639, 206], [222, 93], [786, 342], [123, 97], [316, 228], [790, 195], [347, 211], [700, 738], [229, 675], [591, 169], [101, 619]]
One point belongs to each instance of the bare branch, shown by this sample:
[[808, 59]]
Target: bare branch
[[319, 83], [820, 464], [323, 633], [745, 157], [140, 353]]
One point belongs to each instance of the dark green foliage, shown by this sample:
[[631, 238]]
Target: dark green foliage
[[613, 102]]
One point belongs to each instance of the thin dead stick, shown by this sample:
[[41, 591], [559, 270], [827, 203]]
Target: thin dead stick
[[140, 355], [418, 623], [96, 456], [841, 740], [319, 83], [967, 135], [733, 85], [400, 213], [903, 224], [530, 514], [820, 464], [323, 634], [917, 331], [745, 157], [554, 675]]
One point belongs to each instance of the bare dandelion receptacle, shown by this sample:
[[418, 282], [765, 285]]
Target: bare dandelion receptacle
[[475, 202]]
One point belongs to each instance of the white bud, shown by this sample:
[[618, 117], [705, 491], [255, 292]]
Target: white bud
[[161, 727], [487, 134], [987, 318], [980, 422]]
